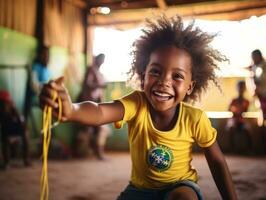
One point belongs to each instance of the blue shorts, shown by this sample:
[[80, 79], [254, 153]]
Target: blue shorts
[[133, 193]]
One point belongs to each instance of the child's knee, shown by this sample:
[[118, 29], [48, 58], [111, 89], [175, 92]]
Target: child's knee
[[182, 193]]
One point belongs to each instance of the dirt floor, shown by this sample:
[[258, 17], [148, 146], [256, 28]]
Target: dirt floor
[[90, 179]]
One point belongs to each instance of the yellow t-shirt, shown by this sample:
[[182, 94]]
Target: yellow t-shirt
[[160, 158]]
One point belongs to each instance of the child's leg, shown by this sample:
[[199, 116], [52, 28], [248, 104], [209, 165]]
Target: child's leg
[[133, 193], [184, 190]]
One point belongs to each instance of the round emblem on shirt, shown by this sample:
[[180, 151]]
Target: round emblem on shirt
[[160, 157]]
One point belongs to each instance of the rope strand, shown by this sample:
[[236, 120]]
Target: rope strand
[[47, 126]]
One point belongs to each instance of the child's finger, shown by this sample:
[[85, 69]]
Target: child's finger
[[63, 95], [47, 90], [55, 113], [56, 86], [44, 100], [60, 80]]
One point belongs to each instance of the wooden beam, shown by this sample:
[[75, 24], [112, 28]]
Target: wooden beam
[[234, 15], [161, 4], [224, 10], [78, 3]]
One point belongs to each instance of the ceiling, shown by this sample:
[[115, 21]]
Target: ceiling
[[116, 5], [132, 12]]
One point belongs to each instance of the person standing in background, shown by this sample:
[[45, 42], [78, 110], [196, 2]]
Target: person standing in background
[[258, 69], [38, 75], [93, 83], [93, 90]]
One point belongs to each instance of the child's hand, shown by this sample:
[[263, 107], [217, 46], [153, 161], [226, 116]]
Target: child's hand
[[46, 98]]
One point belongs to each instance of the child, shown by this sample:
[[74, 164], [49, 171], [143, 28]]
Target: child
[[174, 64]]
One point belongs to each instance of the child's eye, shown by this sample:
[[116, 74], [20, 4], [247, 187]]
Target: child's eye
[[154, 72], [178, 76]]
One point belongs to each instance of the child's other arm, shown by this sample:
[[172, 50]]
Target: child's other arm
[[220, 171], [86, 112], [92, 113]]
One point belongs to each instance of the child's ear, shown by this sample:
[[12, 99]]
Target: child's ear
[[142, 77], [191, 87]]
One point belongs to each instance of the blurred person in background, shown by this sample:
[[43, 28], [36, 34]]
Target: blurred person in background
[[37, 76], [239, 130], [258, 69], [12, 125], [93, 90]]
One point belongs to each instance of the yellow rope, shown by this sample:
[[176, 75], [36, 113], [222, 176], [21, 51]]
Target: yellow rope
[[47, 125]]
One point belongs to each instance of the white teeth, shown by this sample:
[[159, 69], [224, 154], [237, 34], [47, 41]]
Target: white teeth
[[161, 94]]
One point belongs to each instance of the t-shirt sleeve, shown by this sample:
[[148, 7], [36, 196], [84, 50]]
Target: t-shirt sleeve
[[131, 104], [205, 135]]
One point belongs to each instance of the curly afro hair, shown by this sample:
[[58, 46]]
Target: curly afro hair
[[171, 31]]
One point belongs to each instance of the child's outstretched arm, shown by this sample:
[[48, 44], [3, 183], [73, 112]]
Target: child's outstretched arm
[[88, 112], [220, 171]]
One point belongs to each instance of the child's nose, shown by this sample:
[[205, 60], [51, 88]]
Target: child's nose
[[165, 80]]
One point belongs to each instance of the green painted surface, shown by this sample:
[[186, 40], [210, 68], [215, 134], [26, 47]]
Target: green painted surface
[[58, 61], [14, 80], [119, 138], [16, 53], [16, 48]]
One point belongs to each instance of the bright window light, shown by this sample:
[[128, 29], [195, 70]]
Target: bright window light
[[116, 45], [219, 114], [235, 39], [103, 10]]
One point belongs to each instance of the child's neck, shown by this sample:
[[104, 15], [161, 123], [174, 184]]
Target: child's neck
[[164, 121]]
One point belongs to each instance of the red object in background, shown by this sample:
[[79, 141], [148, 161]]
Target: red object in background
[[5, 96]]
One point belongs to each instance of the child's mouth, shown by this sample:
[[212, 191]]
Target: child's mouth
[[162, 96]]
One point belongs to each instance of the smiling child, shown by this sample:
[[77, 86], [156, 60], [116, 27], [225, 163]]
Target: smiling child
[[174, 65]]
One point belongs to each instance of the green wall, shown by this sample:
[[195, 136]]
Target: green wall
[[17, 51], [15, 48], [119, 138]]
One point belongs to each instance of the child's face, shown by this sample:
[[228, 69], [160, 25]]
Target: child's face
[[168, 78]]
